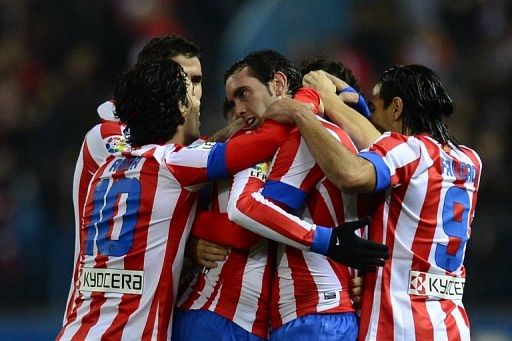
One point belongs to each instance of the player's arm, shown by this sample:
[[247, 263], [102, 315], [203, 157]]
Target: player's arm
[[211, 161], [360, 129], [347, 171], [238, 153], [249, 208], [340, 244], [225, 133]]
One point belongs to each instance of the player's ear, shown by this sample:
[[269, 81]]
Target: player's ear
[[184, 109], [398, 107], [280, 84]]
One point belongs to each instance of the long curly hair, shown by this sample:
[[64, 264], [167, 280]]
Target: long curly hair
[[148, 99]]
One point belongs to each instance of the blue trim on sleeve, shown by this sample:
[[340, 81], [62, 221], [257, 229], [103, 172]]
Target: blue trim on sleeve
[[217, 162], [321, 240], [284, 193], [361, 106], [382, 173], [347, 89]]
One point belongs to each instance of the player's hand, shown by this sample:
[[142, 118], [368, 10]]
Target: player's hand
[[205, 253], [349, 95], [319, 81], [356, 291], [282, 110], [347, 248]]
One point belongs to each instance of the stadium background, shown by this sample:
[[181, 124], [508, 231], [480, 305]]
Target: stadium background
[[59, 60]]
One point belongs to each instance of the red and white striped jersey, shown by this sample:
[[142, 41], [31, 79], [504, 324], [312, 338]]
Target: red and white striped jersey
[[103, 140], [424, 216], [306, 282], [137, 216], [107, 231], [239, 287]]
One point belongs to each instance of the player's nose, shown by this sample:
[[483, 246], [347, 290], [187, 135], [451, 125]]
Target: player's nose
[[240, 110]]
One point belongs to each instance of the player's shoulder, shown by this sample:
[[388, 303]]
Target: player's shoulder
[[107, 111]]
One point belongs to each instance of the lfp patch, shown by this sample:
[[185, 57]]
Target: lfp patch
[[260, 170], [116, 144]]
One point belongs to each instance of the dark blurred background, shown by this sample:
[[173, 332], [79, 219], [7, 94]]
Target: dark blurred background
[[59, 60]]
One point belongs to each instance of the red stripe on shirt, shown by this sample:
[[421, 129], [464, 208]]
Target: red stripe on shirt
[[134, 260], [385, 328], [422, 242], [176, 230]]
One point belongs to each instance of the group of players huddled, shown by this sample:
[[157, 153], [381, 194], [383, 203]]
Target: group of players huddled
[[328, 216]]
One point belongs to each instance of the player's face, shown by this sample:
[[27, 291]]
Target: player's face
[[191, 114], [249, 97], [382, 118], [192, 67]]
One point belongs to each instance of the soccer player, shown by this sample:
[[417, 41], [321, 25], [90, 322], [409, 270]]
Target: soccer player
[[232, 300], [139, 208], [309, 290], [107, 137], [425, 187]]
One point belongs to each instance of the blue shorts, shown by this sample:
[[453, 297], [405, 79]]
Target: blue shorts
[[321, 327], [191, 325]]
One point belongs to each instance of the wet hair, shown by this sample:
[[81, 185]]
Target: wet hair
[[333, 67], [148, 99], [425, 101], [167, 47], [264, 64]]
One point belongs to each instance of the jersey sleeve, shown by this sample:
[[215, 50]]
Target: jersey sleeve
[[395, 158], [247, 207], [100, 142], [308, 95], [239, 153]]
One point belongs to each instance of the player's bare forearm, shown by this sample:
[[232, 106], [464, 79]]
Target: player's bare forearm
[[346, 170], [360, 130], [226, 132]]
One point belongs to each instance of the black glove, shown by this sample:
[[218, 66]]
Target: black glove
[[347, 248]]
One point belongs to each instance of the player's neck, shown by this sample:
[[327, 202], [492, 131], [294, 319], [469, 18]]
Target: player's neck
[[179, 137]]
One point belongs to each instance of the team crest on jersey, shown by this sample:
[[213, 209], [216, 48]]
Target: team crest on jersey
[[260, 170], [116, 144]]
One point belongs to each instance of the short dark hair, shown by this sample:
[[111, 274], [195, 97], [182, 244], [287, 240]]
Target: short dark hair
[[425, 100], [148, 99], [167, 47], [333, 67], [264, 64]]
